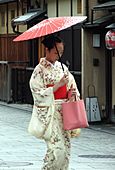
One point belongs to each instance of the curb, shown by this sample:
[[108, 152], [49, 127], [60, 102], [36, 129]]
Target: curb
[[24, 107]]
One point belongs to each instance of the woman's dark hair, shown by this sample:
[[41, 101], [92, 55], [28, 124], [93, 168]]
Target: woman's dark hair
[[51, 40]]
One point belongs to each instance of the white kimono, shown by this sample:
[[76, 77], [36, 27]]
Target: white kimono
[[49, 112]]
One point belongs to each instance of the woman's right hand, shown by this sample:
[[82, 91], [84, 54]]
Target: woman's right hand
[[64, 80]]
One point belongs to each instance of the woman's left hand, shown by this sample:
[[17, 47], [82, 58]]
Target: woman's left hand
[[72, 94]]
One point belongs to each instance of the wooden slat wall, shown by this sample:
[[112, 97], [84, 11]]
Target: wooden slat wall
[[13, 51], [3, 49], [41, 50]]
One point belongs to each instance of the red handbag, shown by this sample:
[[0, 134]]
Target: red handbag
[[74, 115]]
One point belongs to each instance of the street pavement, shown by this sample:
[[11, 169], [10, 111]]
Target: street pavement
[[94, 149]]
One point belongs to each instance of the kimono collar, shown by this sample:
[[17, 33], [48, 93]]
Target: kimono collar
[[46, 63]]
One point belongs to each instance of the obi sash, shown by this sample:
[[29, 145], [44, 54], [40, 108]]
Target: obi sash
[[60, 93]]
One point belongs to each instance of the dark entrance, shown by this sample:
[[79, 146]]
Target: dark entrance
[[72, 54]]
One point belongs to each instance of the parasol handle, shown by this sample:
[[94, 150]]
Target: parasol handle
[[59, 57]]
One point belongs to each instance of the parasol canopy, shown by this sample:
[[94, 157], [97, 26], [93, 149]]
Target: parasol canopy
[[49, 26]]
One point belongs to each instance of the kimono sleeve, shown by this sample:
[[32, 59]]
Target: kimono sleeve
[[42, 96]]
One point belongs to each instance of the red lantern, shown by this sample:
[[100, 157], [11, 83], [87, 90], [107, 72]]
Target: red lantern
[[110, 39]]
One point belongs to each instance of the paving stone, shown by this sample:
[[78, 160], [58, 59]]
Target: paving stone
[[94, 149]]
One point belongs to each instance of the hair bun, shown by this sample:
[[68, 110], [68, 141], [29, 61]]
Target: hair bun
[[50, 40]]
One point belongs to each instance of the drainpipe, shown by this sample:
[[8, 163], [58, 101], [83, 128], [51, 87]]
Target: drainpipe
[[71, 5], [92, 12], [87, 10], [72, 34], [7, 17], [57, 13], [108, 69], [17, 14], [28, 5]]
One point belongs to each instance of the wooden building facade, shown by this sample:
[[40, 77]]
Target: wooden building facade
[[17, 60]]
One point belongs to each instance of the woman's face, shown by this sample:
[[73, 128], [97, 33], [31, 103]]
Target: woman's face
[[52, 55]]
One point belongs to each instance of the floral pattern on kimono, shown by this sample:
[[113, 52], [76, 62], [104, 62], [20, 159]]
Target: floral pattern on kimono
[[46, 73], [58, 153]]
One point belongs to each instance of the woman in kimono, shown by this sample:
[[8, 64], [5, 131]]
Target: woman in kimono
[[49, 85]]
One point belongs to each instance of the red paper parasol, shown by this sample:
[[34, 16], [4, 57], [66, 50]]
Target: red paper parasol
[[49, 26]]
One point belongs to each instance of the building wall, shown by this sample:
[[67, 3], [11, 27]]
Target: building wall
[[51, 8], [9, 50], [3, 20], [97, 14], [22, 28], [64, 8], [94, 75], [12, 13]]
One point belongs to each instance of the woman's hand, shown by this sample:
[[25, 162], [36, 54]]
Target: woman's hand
[[72, 93], [64, 80]]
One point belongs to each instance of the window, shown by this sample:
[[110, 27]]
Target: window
[[37, 4], [23, 11], [3, 19], [79, 6], [103, 1], [12, 14]]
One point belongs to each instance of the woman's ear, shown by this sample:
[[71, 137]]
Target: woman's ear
[[46, 48]]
